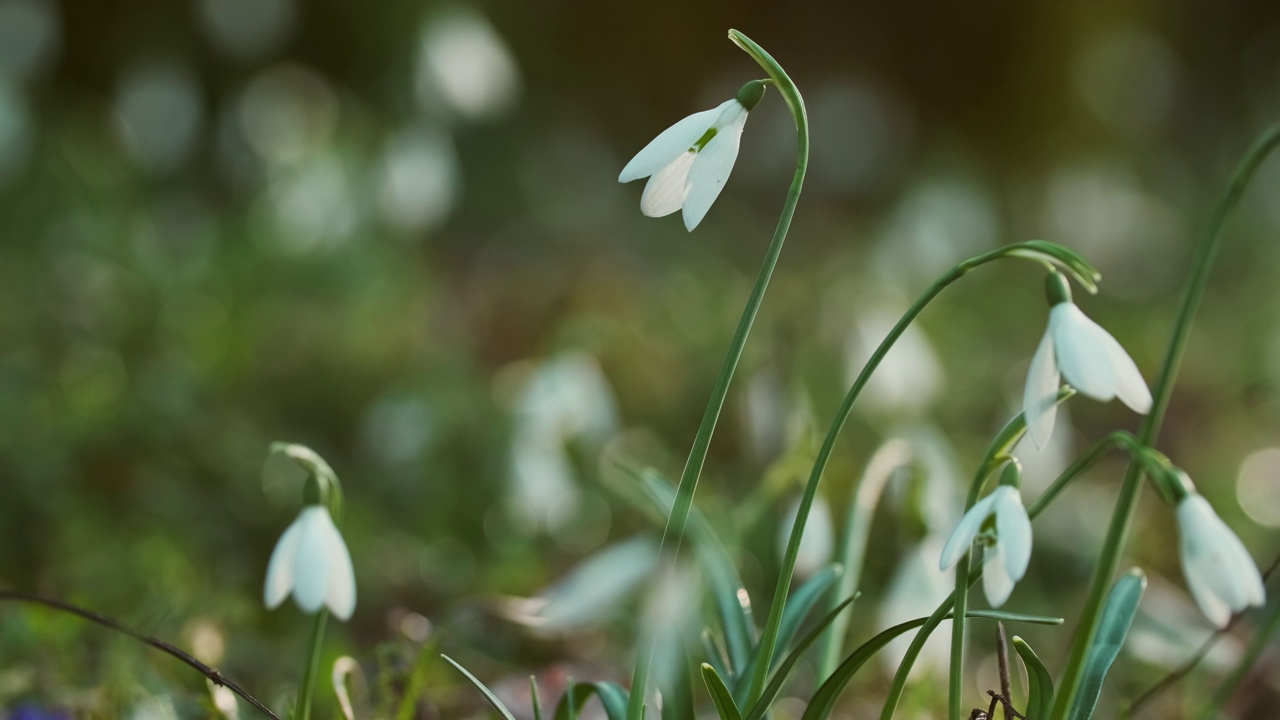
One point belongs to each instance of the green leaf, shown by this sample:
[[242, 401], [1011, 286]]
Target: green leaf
[[1040, 695], [725, 705], [761, 708], [732, 602], [798, 607], [1117, 616], [800, 604], [537, 701], [488, 694], [612, 697], [824, 700]]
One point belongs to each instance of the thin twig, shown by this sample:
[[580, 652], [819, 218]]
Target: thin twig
[[213, 675], [1008, 706], [1185, 669], [1002, 658]]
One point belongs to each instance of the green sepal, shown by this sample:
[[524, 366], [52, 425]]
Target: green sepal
[[1056, 289], [750, 94]]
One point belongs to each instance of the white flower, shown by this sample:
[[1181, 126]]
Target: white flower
[[312, 561], [689, 162], [1092, 362], [1007, 556], [1219, 570]]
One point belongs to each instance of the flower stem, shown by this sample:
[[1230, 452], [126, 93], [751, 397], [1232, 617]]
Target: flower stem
[[674, 530], [1232, 683], [302, 709], [1126, 504], [996, 455], [769, 638]]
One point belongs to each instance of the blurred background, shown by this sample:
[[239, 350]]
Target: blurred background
[[393, 232]]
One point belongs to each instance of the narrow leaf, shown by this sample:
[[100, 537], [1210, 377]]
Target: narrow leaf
[[1040, 695], [612, 697], [761, 708], [799, 606], [488, 694], [1117, 616], [537, 701], [824, 700], [725, 705]]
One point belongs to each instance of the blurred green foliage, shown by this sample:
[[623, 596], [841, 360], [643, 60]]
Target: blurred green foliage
[[366, 227]]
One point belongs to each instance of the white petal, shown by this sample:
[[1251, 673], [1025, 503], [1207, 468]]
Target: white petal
[[1039, 406], [1013, 529], [671, 142], [962, 537], [1082, 361], [280, 568], [666, 190], [341, 593], [711, 171], [1216, 565], [311, 566], [1129, 385], [996, 582]]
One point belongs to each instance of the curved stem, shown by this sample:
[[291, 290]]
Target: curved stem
[[1183, 670], [1004, 442], [769, 637], [674, 530], [1008, 437], [1232, 683], [881, 468], [302, 709], [1126, 504], [213, 675]]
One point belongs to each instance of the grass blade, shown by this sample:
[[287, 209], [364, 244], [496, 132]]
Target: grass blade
[[824, 700], [488, 694], [761, 708], [1040, 681], [612, 697], [537, 701], [725, 705]]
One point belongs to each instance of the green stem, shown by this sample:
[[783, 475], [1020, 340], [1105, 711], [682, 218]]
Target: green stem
[[882, 466], [990, 464], [770, 635], [674, 531], [995, 456], [302, 709], [1232, 682], [1126, 504]]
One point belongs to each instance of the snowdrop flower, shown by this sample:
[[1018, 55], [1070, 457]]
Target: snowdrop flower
[[1090, 359], [1219, 570], [312, 562], [1007, 553], [689, 162]]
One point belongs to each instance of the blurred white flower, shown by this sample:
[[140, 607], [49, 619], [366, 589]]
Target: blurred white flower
[[159, 111], [817, 542], [563, 398], [464, 62], [1005, 559], [910, 377], [311, 561], [915, 591], [1090, 359], [1219, 570], [247, 29], [689, 162], [419, 179]]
